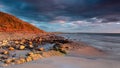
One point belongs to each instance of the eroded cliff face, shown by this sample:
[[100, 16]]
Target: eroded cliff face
[[10, 23]]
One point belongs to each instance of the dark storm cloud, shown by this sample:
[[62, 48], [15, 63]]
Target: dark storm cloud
[[46, 10], [76, 6]]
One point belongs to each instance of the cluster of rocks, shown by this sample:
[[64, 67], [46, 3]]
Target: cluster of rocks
[[9, 52], [20, 60]]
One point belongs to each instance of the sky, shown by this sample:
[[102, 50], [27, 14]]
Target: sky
[[102, 16]]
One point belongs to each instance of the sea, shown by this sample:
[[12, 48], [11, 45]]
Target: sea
[[108, 42]]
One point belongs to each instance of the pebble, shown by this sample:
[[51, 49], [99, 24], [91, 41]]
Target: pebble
[[8, 61], [4, 42], [17, 62], [28, 59], [11, 48], [63, 50], [16, 42], [30, 53], [31, 46], [41, 49], [30, 43], [22, 47], [22, 41], [22, 60], [40, 56], [5, 52], [40, 40], [65, 47]]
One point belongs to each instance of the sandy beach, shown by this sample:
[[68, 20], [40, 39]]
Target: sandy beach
[[78, 55], [69, 62]]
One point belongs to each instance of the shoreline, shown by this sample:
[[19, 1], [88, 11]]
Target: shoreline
[[59, 46]]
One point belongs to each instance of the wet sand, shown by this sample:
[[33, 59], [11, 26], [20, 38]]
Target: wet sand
[[69, 62]]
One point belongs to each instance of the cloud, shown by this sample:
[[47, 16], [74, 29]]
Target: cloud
[[1, 6], [47, 10], [79, 26], [66, 15]]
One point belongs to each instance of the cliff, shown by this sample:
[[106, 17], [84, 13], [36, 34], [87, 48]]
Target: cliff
[[10, 23]]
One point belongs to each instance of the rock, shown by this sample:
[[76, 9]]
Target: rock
[[5, 52], [30, 53], [41, 49], [63, 50], [3, 58], [8, 61], [28, 59], [57, 46], [22, 60], [65, 46], [34, 57], [4, 42], [17, 61], [22, 41], [22, 47], [16, 42], [11, 48], [30, 43], [13, 59], [31, 46], [40, 40], [39, 56]]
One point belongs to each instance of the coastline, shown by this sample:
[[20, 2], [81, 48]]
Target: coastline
[[77, 55], [58, 46]]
